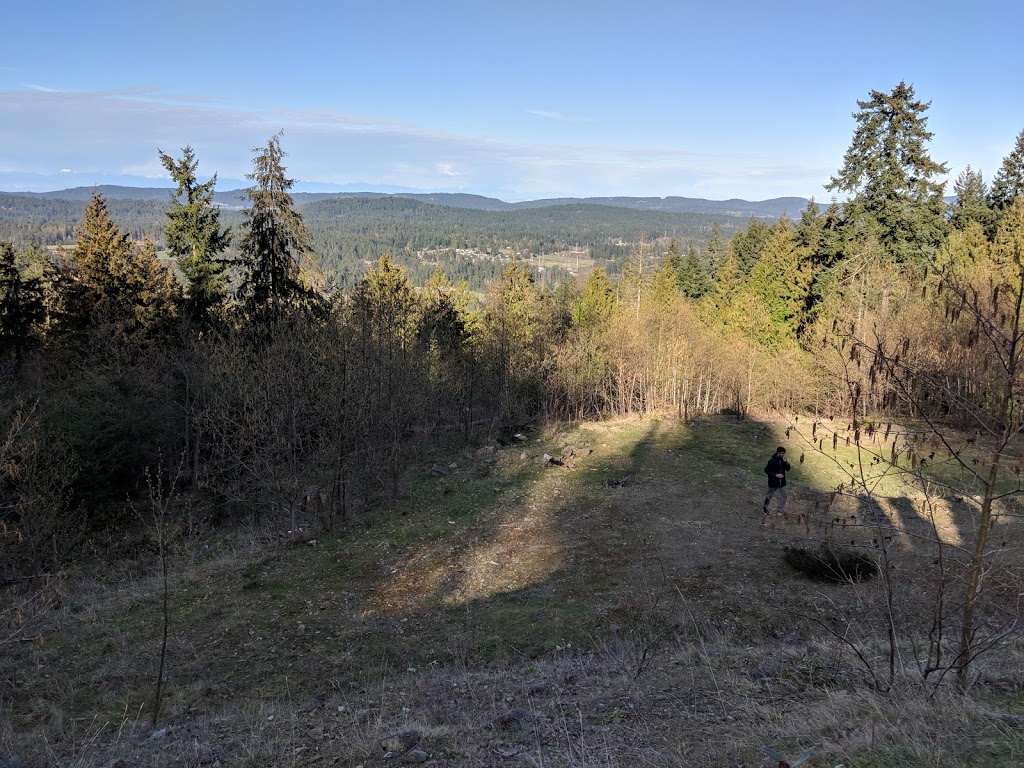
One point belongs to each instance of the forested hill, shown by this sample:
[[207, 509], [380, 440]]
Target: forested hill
[[235, 198], [351, 232]]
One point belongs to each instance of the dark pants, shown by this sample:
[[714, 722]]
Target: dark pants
[[779, 493]]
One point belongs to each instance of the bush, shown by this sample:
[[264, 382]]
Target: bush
[[830, 563]]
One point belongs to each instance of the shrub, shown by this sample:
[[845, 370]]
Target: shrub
[[830, 563]]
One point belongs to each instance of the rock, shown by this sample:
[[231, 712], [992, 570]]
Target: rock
[[486, 454], [159, 734], [568, 451], [551, 460], [415, 756], [440, 470], [400, 742], [583, 451], [12, 762]]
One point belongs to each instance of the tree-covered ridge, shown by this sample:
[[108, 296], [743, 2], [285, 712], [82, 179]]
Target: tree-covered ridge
[[349, 233]]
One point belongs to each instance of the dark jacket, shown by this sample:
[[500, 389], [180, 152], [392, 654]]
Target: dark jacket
[[776, 465]]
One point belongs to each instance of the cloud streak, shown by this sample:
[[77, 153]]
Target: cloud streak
[[119, 132]]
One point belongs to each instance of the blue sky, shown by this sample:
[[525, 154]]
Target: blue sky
[[516, 100]]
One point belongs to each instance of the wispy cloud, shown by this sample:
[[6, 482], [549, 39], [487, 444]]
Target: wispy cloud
[[41, 88], [114, 132], [556, 116]]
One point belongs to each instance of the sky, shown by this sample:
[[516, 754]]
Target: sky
[[517, 100]]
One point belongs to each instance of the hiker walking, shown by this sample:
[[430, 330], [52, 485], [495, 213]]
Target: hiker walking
[[776, 470]]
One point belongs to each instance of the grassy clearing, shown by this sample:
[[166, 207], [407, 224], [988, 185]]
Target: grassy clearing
[[632, 608]]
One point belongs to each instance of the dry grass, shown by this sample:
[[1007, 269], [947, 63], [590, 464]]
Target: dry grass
[[635, 611]]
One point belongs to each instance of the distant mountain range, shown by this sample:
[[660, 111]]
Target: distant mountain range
[[235, 199]]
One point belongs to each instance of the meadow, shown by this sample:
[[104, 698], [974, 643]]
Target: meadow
[[625, 605]]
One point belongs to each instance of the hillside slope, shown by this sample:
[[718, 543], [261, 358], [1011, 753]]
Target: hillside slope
[[630, 608]]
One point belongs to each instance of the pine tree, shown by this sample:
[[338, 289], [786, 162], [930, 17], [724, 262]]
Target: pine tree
[[106, 281], [21, 306], [665, 282], [782, 280], [810, 231], [694, 280], [892, 178], [748, 243], [195, 238], [971, 203], [386, 307], [275, 240], [714, 251], [443, 323], [596, 303], [1008, 183]]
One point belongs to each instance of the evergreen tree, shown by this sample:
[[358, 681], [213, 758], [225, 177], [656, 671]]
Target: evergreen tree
[[386, 307], [971, 203], [442, 323], [714, 251], [21, 306], [195, 238], [781, 279], [275, 239], [727, 287], [748, 243], [694, 280], [516, 330], [810, 231], [107, 281], [596, 303], [892, 178], [665, 282], [1008, 183]]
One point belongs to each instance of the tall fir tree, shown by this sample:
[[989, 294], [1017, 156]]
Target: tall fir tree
[[781, 279], [105, 281], [275, 239], [1008, 183], [665, 281], [971, 202], [894, 182], [21, 307], [694, 280], [714, 251], [748, 243], [195, 237], [596, 303]]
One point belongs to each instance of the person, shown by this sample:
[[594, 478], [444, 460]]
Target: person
[[776, 470]]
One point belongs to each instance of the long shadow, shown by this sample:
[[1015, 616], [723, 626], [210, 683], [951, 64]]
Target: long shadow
[[674, 516]]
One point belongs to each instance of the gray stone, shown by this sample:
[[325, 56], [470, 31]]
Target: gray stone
[[415, 756], [440, 469], [401, 742], [12, 762]]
